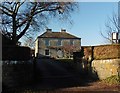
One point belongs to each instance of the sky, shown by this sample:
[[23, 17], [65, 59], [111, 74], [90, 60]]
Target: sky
[[88, 21]]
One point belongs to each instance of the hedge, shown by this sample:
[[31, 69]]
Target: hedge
[[102, 51]]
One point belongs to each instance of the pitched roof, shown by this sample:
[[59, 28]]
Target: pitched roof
[[50, 34]]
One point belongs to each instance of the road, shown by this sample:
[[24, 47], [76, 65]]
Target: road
[[52, 74], [50, 68], [56, 78]]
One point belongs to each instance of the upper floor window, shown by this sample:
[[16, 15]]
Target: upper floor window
[[59, 42], [71, 42], [47, 42], [53, 42], [76, 43]]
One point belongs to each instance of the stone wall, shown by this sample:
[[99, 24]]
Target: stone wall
[[16, 74], [106, 68], [18, 53], [104, 60]]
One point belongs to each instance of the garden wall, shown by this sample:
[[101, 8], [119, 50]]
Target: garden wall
[[104, 60], [16, 75], [106, 68], [18, 53]]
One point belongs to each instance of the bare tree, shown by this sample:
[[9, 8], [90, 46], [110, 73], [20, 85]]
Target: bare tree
[[69, 49], [20, 18], [111, 26], [29, 42]]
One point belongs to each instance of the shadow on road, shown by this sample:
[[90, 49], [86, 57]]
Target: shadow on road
[[52, 74]]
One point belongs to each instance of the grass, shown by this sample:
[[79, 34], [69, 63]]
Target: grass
[[115, 79]]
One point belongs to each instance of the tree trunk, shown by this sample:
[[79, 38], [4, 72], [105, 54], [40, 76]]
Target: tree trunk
[[14, 41]]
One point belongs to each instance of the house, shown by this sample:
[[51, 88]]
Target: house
[[57, 44]]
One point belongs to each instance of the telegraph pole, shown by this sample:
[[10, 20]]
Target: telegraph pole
[[119, 22]]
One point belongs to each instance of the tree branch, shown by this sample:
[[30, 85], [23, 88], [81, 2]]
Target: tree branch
[[30, 16], [4, 12], [46, 10], [24, 31], [7, 9], [23, 22], [18, 6], [105, 37]]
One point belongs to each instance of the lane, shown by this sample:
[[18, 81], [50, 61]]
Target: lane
[[51, 68], [53, 75]]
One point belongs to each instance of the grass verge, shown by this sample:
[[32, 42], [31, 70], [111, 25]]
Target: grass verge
[[115, 79]]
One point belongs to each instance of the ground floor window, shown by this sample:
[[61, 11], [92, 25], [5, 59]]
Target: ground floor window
[[59, 53], [47, 52]]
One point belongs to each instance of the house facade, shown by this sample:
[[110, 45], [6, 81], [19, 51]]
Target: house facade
[[57, 44]]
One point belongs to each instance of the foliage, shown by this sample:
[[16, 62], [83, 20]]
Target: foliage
[[107, 51], [88, 53], [115, 79], [25, 18], [69, 49], [100, 52]]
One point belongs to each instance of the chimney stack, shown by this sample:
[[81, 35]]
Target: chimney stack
[[48, 30], [63, 30]]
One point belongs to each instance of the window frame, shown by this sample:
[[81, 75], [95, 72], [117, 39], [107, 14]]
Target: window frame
[[59, 42], [47, 42], [47, 52]]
